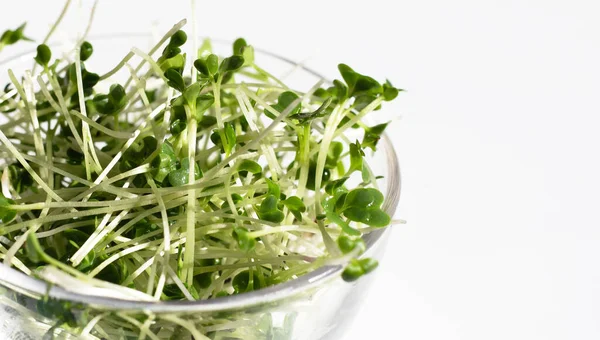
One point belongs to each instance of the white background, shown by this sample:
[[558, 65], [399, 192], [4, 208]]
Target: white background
[[498, 141]]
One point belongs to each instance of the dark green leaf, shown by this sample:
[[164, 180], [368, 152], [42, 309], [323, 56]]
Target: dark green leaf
[[373, 135], [175, 80], [177, 126], [273, 188], [43, 55], [389, 91], [178, 39], [241, 282], [201, 66], [353, 271], [268, 210], [356, 158], [341, 90], [7, 214], [250, 166], [10, 37], [86, 50], [306, 117], [238, 46], [231, 64], [348, 244], [284, 100], [332, 186], [295, 205]]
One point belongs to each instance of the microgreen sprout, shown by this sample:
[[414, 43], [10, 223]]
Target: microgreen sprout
[[11, 37], [171, 187]]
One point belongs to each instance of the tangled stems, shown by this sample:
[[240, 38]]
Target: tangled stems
[[177, 187]]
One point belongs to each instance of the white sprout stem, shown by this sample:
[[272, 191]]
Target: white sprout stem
[[102, 128], [153, 65], [251, 118], [89, 149], [7, 143], [127, 144], [262, 135], [99, 233], [172, 31], [90, 325], [57, 22], [194, 53], [89, 22], [163, 214], [188, 260], [118, 67], [162, 279], [139, 325], [179, 283], [64, 110], [29, 99], [187, 325]]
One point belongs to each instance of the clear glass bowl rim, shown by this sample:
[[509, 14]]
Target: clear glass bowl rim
[[13, 278]]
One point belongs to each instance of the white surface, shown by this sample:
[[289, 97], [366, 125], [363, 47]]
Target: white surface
[[498, 143]]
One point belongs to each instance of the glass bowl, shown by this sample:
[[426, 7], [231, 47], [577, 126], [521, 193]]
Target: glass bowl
[[318, 305]]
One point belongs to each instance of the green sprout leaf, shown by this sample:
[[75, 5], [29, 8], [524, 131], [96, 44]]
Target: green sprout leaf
[[249, 166], [20, 179], [10, 37], [307, 117], [357, 268], [175, 80], [242, 282], [230, 64], [202, 67], [238, 46], [295, 206], [389, 91], [113, 102], [347, 244], [43, 55], [356, 158], [364, 205], [203, 103], [178, 39], [373, 135], [245, 242], [333, 186], [268, 210], [357, 83], [212, 64], [86, 50], [230, 138], [273, 188], [333, 156], [180, 177], [34, 249], [331, 212], [164, 163], [284, 100], [7, 214]]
